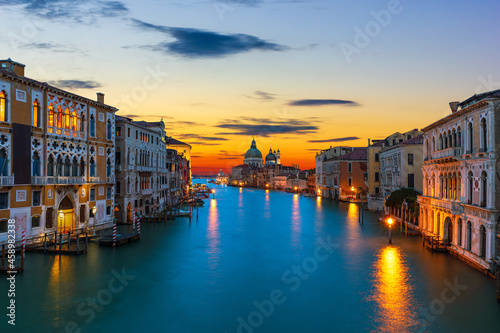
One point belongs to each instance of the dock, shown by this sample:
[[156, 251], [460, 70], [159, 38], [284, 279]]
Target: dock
[[434, 243], [58, 243], [124, 234]]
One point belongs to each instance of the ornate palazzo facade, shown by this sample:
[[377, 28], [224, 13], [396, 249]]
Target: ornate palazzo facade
[[461, 187]]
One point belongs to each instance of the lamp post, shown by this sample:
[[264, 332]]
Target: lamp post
[[390, 230], [295, 188], [213, 194], [353, 195]]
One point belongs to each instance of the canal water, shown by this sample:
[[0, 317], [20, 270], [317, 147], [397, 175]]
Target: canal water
[[256, 261]]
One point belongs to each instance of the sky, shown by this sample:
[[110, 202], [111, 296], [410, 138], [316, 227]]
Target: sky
[[298, 75]]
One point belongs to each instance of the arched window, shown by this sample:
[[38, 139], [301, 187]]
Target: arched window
[[109, 130], [59, 116], [3, 106], [450, 139], [128, 156], [484, 135], [50, 166], [459, 187], [82, 168], [36, 165], [36, 113], [67, 119], [433, 144], [468, 236], [51, 115], [459, 232], [74, 167], [128, 185], [82, 122], [484, 188], [108, 168], [4, 163], [441, 183], [470, 188], [459, 137], [440, 141], [482, 241], [59, 166], [92, 167], [454, 138], [74, 121], [471, 138], [67, 166], [92, 125]]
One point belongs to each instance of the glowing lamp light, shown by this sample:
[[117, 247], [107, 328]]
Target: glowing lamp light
[[295, 187], [352, 188], [94, 210], [267, 185], [390, 221], [61, 214]]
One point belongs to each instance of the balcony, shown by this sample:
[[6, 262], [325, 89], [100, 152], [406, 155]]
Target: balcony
[[448, 154], [110, 179], [6, 180], [38, 180], [147, 191], [146, 168], [94, 180], [65, 180]]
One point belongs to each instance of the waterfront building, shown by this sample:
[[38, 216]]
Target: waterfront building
[[222, 178], [401, 166], [461, 192], [345, 174], [184, 151], [273, 158], [146, 180], [375, 192], [56, 156], [322, 186]]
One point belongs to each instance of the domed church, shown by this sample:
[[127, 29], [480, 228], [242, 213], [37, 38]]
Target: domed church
[[253, 156], [273, 158]]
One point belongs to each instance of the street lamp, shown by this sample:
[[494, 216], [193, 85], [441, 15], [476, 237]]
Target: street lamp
[[213, 194], [295, 188], [390, 229]]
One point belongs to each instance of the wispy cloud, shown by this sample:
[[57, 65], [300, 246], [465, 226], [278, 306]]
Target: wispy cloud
[[201, 137], [75, 84], [262, 95], [83, 11], [266, 127], [49, 46], [321, 102], [196, 43], [146, 116], [347, 138]]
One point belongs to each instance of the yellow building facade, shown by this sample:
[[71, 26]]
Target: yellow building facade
[[56, 157]]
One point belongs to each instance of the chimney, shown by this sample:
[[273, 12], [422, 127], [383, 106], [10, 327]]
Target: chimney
[[100, 98], [454, 106], [368, 142]]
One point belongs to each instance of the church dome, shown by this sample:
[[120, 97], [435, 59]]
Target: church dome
[[271, 156], [253, 152]]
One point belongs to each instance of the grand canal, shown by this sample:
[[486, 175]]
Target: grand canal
[[256, 261]]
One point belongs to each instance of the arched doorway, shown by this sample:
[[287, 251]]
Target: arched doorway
[[65, 216], [117, 213], [448, 230], [129, 213]]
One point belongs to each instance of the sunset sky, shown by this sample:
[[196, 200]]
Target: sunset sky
[[296, 75]]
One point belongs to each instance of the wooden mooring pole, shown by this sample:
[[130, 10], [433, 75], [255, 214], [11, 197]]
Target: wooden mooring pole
[[22, 258], [60, 243], [45, 244], [69, 239], [86, 241], [77, 243]]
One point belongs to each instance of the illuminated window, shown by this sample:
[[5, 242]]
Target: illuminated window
[[59, 116], [51, 115], [74, 122], [92, 125], [67, 119], [36, 113], [3, 106]]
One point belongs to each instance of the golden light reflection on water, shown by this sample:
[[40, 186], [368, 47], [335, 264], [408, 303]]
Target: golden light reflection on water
[[296, 221], [353, 228], [267, 206], [61, 277], [213, 235], [393, 293]]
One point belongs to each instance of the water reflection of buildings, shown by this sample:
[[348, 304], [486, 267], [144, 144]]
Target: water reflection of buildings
[[393, 292]]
